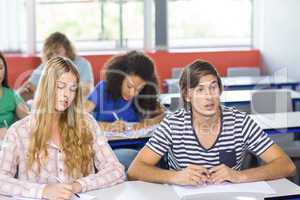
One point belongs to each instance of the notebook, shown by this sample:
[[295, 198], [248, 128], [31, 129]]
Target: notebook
[[82, 197], [145, 132], [253, 187]]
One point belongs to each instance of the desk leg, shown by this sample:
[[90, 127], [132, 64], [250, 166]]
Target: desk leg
[[297, 136], [297, 177]]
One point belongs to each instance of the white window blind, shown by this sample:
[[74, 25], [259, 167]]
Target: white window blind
[[12, 20]]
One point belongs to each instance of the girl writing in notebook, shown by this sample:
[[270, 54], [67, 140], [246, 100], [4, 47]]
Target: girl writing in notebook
[[128, 93], [55, 148]]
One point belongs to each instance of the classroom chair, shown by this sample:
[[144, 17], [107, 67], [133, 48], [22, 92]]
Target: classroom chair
[[173, 88], [271, 101], [176, 72], [125, 156], [176, 103]]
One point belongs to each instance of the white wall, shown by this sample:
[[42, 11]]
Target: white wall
[[277, 35]]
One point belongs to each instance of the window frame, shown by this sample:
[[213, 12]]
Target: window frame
[[156, 39]]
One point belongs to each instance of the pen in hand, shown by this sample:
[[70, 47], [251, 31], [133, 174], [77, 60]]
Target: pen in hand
[[77, 195], [118, 119], [115, 116], [5, 124]]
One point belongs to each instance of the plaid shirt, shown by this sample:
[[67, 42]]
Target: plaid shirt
[[30, 183]]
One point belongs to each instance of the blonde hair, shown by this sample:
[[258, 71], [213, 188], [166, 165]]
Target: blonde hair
[[76, 136], [53, 42]]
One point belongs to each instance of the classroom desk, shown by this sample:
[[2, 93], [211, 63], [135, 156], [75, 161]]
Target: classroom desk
[[279, 123], [245, 83], [137, 190], [136, 143], [275, 123], [237, 98], [249, 82]]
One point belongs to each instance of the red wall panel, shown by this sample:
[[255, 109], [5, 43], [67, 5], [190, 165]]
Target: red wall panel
[[21, 66]]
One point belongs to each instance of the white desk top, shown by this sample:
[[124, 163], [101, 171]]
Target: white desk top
[[248, 80], [277, 120], [137, 190], [230, 96], [258, 80]]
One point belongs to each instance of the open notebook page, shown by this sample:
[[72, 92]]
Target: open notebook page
[[253, 187]]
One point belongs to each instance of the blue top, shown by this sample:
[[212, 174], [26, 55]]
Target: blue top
[[106, 106], [83, 66]]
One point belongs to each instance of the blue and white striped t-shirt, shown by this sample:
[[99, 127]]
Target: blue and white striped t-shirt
[[238, 133]]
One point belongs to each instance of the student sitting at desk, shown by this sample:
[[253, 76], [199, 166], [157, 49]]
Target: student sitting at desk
[[206, 142], [11, 105], [58, 44], [56, 149], [127, 94]]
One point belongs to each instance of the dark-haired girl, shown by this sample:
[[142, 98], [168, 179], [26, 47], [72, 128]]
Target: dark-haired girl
[[11, 105], [128, 93]]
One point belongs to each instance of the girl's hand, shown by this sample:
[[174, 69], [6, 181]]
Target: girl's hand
[[58, 191], [2, 133], [118, 126]]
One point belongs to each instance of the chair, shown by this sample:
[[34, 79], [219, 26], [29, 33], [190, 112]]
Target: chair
[[243, 71], [125, 156], [173, 88], [176, 72], [176, 103], [271, 101]]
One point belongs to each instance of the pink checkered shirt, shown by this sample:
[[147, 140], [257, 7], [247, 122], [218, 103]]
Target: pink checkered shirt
[[30, 183]]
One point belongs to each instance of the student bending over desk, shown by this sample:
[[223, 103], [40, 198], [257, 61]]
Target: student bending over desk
[[12, 105], [58, 44], [127, 94], [206, 142], [56, 148]]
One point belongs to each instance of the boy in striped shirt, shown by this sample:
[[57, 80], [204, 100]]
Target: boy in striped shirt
[[207, 142]]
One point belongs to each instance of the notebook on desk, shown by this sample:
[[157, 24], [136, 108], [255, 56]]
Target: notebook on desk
[[82, 197], [260, 187], [145, 132]]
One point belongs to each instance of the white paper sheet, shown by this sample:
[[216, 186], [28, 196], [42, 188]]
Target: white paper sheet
[[254, 187], [82, 197], [22, 198], [145, 132]]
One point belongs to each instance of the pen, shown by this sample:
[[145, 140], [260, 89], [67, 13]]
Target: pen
[[116, 116], [77, 195], [5, 124]]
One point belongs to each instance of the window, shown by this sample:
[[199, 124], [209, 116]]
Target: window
[[209, 23], [120, 24], [12, 20], [92, 24]]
